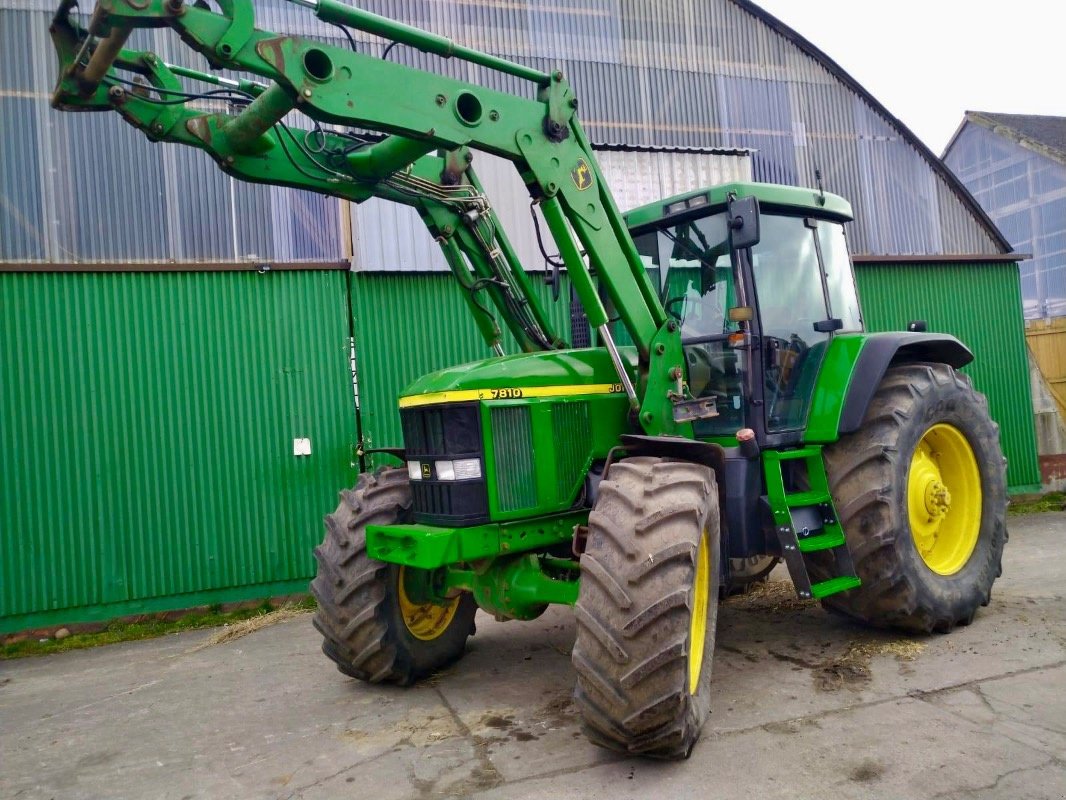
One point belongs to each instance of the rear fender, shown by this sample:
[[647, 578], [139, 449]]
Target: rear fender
[[882, 351]]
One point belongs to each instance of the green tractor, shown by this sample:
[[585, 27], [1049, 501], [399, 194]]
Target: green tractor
[[731, 412]]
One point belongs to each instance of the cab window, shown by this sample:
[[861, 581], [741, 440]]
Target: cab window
[[791, 299], [690, 263]]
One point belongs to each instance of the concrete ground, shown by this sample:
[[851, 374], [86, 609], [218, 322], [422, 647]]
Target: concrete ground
[[805, 705]]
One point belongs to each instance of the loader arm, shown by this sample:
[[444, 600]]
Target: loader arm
[[426, 126]]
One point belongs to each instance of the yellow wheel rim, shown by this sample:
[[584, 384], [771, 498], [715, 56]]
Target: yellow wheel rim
[[697, 634], [944, 499], [425, 621]]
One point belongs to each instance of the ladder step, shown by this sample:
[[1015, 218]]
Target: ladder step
[[795, 455], [834, 585], [823, 541], [812, 498]]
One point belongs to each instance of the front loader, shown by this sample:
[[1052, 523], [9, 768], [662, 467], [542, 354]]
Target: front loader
[[733, 410]]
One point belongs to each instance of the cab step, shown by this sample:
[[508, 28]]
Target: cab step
[[806, 522]]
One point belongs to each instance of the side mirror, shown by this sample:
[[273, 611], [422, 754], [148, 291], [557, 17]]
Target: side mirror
[[743, 222], [829, 325]]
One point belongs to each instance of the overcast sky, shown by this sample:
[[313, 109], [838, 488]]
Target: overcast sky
[[928, 61]]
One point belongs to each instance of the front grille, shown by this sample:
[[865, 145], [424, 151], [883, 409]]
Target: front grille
[[512, 442], [572, 432], [446, 432]]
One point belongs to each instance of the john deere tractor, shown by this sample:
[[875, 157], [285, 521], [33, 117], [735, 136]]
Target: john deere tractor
[[731, 411]]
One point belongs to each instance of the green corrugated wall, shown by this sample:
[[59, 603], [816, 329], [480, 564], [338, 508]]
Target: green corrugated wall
[[407, 324], [147, 419], [981, 305], [147, 423]]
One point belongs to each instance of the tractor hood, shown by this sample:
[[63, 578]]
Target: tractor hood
[[556, 372]]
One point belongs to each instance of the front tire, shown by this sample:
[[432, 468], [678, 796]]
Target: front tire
[[370, 628], [921, 492], [647, 608]]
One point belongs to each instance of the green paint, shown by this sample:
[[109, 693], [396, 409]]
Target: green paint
[[245, 133], [510, 587], [380, 160], [538, 451], [513, 467], [556, 368], [518, 587], [772, 197], [667, 360], [834, 585], [817, 493], [832, 385], [825, 541], [571, 432], [430, 547], [343, 14]]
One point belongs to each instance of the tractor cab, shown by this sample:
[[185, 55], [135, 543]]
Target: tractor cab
[[759, 279]]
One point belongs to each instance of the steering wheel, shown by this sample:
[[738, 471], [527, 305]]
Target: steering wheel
[[673, 301]]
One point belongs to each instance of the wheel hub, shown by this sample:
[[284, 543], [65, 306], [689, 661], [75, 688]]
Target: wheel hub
[[937, 499], [425, 621], [944, 499]]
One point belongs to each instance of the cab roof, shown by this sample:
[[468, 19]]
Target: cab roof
[[771, 196]]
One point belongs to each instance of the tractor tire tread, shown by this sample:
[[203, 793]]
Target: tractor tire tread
[[356, 617], [632, 619], [868, 478]]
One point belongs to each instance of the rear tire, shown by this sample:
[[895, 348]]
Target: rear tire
[[360, 600], [647, 608], [869, 471]]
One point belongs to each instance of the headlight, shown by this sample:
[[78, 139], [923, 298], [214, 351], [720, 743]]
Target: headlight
[[464, 469], [467, 469], [414, 470]]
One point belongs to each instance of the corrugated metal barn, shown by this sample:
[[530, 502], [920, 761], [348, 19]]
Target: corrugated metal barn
[[170, 337], [1015, 165]]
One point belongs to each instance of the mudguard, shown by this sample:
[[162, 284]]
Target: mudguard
[[884, 350]]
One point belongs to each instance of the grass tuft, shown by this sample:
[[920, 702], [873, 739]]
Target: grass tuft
[[151, 628], [1052, 501]]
